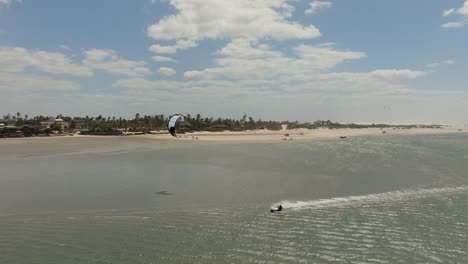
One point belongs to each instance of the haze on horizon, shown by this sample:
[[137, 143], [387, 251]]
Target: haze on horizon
[[349, 61]]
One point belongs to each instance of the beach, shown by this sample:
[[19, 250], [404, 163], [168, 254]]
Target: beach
[[93, 144], [265, 136], [311, 134]]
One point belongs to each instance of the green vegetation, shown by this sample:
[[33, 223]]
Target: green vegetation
[[334, 125], [18, 125]]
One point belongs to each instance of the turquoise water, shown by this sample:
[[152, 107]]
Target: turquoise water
[[387, 199]]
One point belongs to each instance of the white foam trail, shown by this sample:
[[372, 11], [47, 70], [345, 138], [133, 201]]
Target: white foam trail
[[371, 198]]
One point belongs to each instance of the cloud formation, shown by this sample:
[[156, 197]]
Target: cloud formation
[[170, 49], [8, 2], [197, 20], [461, 12], [316, 5], [250, 68], [162, 59], [15, 59], [243, 59], [107, 60], [439, 63], [166, 71], [20, 67], [19, 82]]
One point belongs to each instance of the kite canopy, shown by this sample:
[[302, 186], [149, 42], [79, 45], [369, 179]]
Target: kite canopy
[[172, 124]]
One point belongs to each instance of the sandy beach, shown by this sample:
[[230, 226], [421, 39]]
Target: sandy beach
[[307, 134], [265, 136]]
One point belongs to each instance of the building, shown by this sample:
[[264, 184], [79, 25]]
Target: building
[[56, 121], [6, 122]]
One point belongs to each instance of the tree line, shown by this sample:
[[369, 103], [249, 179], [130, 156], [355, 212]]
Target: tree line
[[147, 123]]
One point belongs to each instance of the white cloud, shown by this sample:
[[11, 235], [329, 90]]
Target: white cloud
[[462, 11], [141, 83], [438, 64], [8, 2], [179, 45], [244, 48], [246, 68], [395, 75], [156, 48], [450, 62], [64, 47], [317, 5], [433, 65], [454, 24], [108, 60], [14, 59], [20, 81], [242, 59], [220, 19], [166, 71], [162, 59], [448, 12], [99, 54], [325, 56], [14, 63]]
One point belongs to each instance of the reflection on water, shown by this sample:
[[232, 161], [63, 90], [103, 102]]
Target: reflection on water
[[363, 200]]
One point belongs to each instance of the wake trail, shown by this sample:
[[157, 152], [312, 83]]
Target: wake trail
[[361, 200]]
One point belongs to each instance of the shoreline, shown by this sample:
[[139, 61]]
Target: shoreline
[[312, 134], [265, 136]]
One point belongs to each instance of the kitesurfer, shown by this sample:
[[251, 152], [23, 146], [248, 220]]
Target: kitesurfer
[[277, 209]]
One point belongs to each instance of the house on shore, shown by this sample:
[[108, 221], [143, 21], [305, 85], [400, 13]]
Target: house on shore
[[54, 121], [6, 122]]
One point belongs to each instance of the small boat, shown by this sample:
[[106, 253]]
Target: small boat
[[343, 136]]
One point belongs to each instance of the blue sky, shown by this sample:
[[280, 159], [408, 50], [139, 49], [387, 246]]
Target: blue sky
[[351, 61]]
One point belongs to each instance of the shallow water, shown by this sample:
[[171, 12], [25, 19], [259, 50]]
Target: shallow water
[[391, 199]]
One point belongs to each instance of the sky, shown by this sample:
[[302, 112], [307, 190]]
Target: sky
[[393, 61]]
